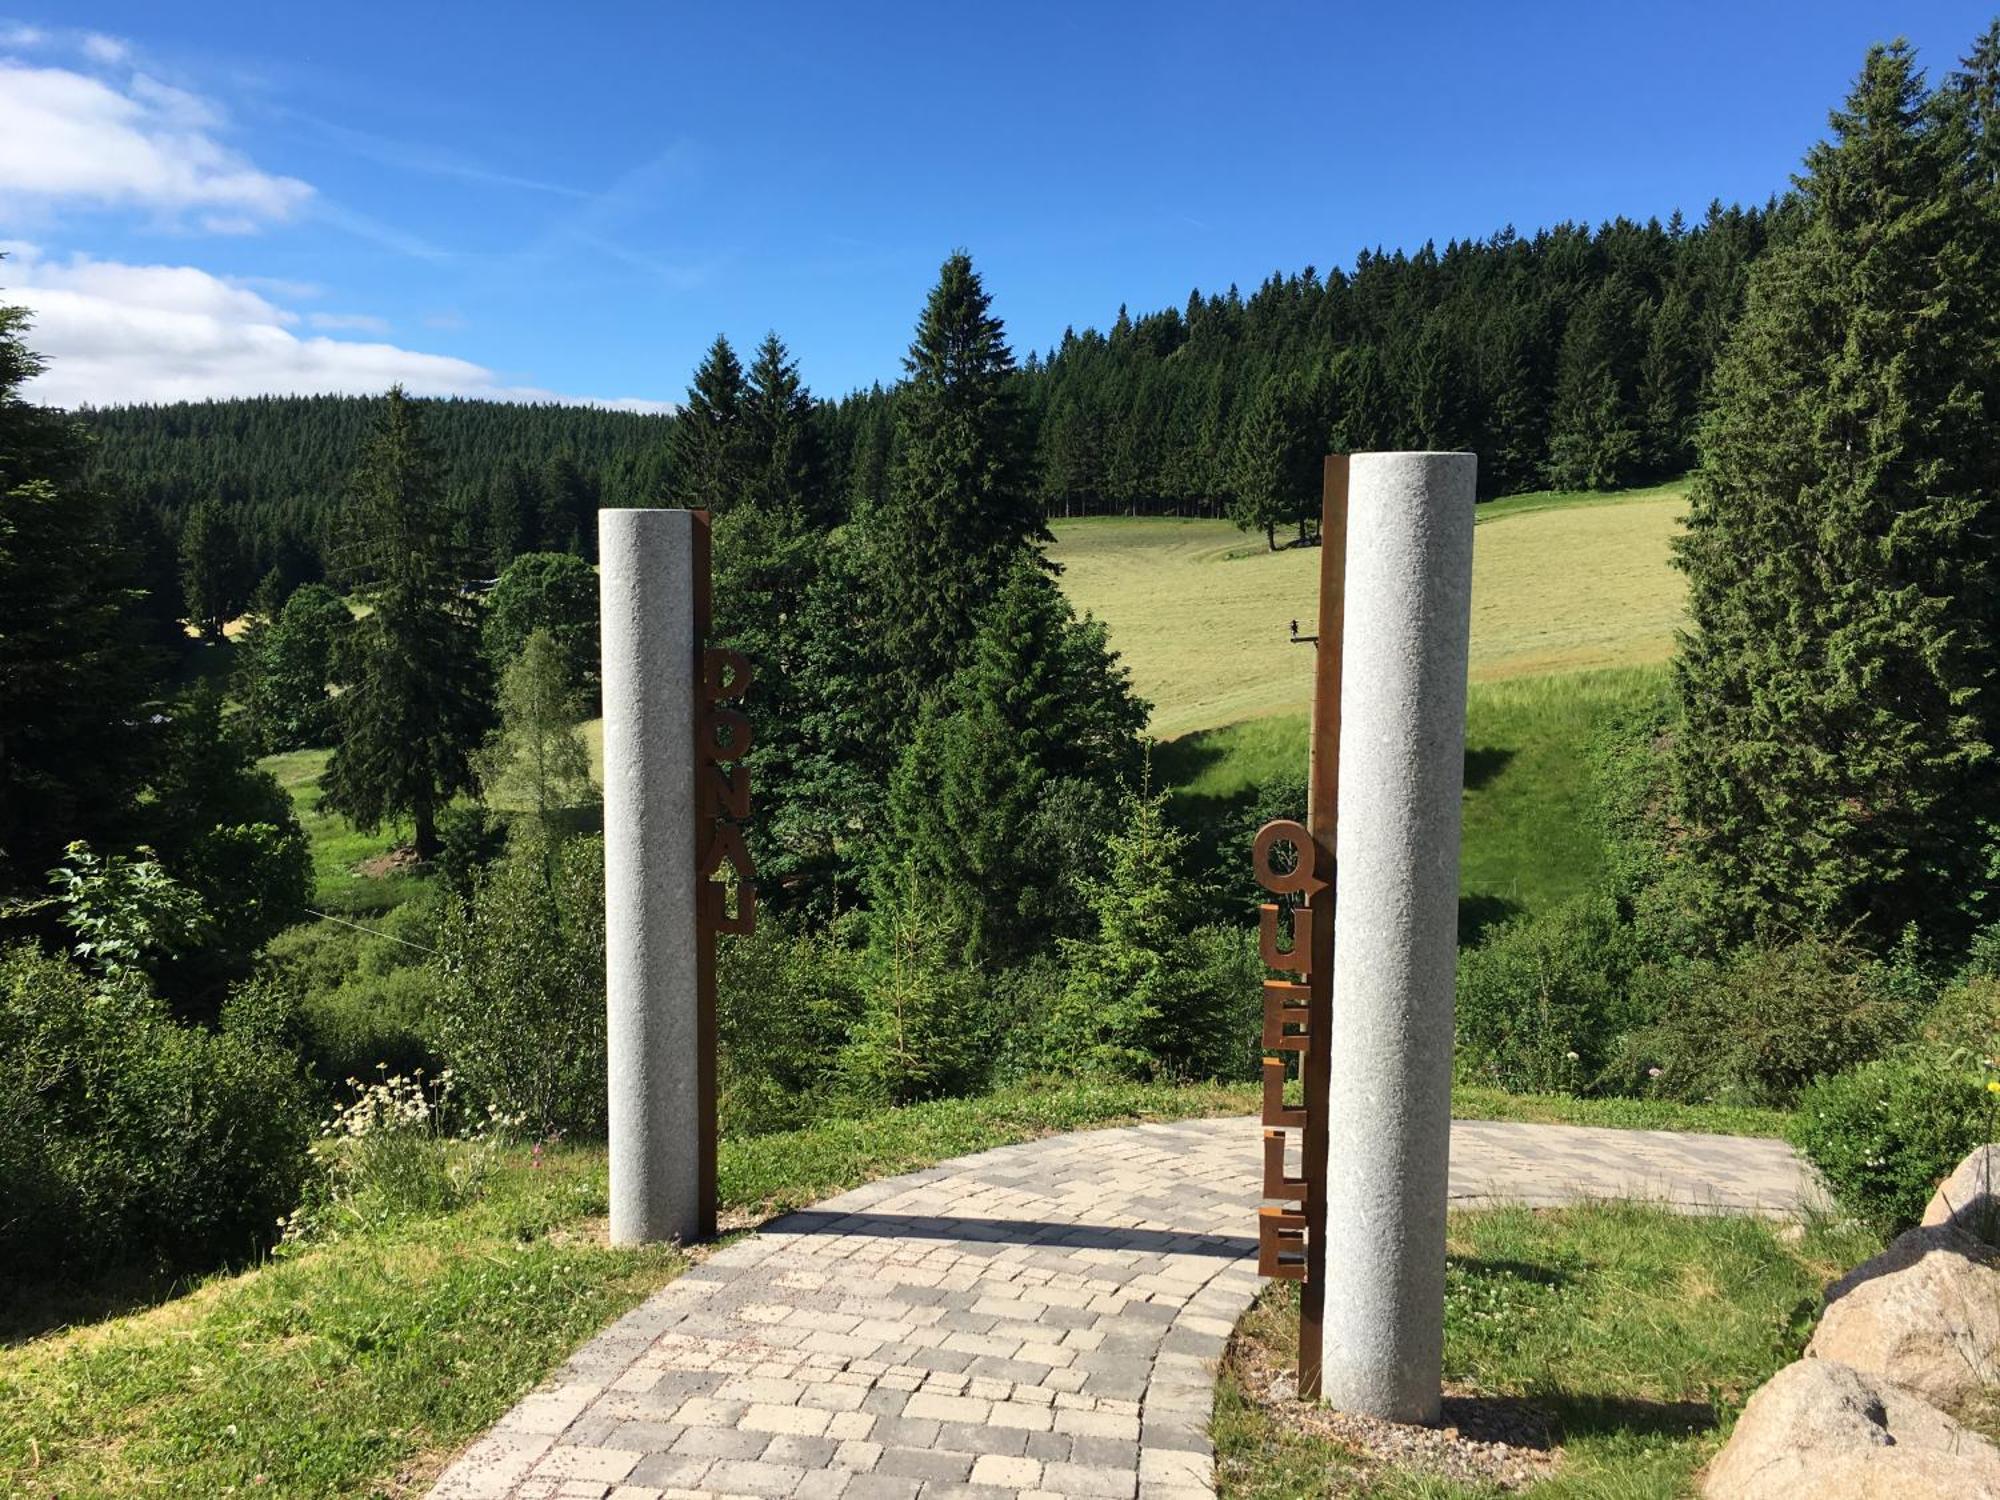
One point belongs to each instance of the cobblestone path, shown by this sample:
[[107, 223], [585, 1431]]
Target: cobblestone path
[[1037, 1320]]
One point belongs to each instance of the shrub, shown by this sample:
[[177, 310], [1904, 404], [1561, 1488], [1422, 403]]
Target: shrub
[[1761, 1026], [785, 1004], [392, 1153], [520, 987], [1883, 1134], [1965, 1019], [131, 1138], [1543, 1001]]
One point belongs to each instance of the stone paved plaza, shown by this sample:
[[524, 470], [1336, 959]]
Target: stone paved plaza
[[1037, 1320]]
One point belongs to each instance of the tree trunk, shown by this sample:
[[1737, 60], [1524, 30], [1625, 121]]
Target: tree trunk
[[1271, 536], [427, 840]]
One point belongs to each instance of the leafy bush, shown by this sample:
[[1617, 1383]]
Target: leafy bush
[[1883, 1134], [520, 996], [131, 1138], [1965, 1019], [1542, 1003], [785, 1004], [1760, 1027]]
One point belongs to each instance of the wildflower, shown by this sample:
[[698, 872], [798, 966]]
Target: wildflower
[[1571, 1056]]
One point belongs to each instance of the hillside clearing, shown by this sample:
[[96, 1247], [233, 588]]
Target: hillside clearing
[[1201, 613]]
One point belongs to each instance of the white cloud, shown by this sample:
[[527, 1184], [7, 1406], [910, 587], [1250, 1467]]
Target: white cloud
[[115, 333], [14, 34], [66, 137]]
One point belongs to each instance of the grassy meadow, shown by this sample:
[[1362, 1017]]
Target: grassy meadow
[[1628, 1335], [1201, 611]]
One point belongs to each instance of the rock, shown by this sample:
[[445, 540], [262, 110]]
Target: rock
[[1969, 1199], [1819, 1430], [1924, 1313]]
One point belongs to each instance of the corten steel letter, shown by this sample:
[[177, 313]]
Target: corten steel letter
[[1291, 1236], [1402, 765]]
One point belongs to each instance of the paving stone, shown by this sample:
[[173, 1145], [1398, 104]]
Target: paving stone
[[1105, 1452], [742, 1476], [670, 1471], [924, 1463], [1037, 1320]]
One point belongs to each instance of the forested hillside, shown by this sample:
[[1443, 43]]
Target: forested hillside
[[523, 478], [1573, 357]]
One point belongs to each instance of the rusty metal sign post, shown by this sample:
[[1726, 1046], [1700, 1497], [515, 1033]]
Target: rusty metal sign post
[[1298, 1009], [723, 738]]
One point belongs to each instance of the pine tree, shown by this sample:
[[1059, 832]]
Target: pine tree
[[707, 469], [1836, 762], [412, 705], [211, 568], [960, 509]]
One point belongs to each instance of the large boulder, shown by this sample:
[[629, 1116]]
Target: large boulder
[[1969, 1199], [1924, 1313], [1818, 1430]]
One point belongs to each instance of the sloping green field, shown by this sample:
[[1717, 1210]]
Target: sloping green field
[[1574, 610], [1201, 611]]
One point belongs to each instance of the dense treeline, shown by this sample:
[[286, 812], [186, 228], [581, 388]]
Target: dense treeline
[[1573, 357], [279, 468]]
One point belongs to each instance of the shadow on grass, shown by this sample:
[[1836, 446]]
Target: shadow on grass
[[1578, 1414], [32, 1308], [1483, 764], [1479, 913]]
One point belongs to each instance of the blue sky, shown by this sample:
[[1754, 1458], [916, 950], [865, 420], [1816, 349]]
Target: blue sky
[[222, 198]]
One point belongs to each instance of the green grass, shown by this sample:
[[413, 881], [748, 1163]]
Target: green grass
[[1474, 1102], [358, 1366], [338, 847], [1635, 1333], [1531, 501], [1561, 584], [1530, 841]]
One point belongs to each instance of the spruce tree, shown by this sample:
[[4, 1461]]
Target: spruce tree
[[706, 467], [211, 568], [1134, 1004], [960, 509], [79, 684], [412, 704], [781, 440], [1275, 479], [1835, 763], [1042, 717]]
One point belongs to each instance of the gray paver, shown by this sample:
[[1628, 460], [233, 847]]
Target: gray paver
[[853, 1351]]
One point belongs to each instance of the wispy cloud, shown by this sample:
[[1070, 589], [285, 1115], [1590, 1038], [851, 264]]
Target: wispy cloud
[[435, 161]]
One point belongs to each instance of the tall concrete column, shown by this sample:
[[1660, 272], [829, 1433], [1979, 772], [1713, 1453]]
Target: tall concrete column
[[648, 585], [1402, 770]]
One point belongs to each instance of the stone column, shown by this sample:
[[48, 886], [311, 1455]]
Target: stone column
[[652, 943], [1402, 770]]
